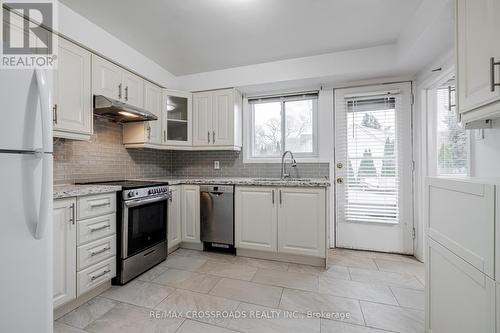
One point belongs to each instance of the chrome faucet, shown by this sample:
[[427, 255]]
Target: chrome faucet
[[285, 174]]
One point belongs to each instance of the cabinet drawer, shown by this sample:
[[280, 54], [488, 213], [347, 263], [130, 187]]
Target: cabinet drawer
[[95, 275], [95, 228], [459, 299], [94, 252], [461, 217], [96, 205]]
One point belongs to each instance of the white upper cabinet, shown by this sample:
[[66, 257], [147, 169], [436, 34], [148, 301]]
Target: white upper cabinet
[[175, 216], [72, 92], [256, 218], [146, 132], [202, 119], [301, 221], [478, 59], [177, 118], [217, 120], [107, 78], [115, 82], [134, 90], [64, 251]]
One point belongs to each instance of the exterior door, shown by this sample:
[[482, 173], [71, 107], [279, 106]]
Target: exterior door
[[256, 218], [72, 93], [373, 168], [64, 251], [202, 109]]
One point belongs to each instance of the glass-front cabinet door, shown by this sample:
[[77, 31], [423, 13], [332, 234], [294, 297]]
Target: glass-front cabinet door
[[177, 118]]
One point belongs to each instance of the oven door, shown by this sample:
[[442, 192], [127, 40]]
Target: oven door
[[144, 224]]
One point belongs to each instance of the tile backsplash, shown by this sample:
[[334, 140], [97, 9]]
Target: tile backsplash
[[105, 158]]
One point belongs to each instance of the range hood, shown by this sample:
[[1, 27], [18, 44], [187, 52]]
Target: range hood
[[119, 111]]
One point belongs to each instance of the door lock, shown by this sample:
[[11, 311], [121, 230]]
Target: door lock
[[340, 165], [340, 180]]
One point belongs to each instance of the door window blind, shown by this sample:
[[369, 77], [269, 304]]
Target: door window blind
[[371, 150]]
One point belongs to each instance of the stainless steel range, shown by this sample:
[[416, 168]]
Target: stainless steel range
[[142, 227]]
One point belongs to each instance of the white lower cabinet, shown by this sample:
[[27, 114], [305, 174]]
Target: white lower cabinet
[[175, 216], [256, 218], [301, 221], [191, 213], [285, 220], [64, 251], [84, 245], [459, 298]]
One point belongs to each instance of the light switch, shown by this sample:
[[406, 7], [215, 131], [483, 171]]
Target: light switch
[[216, 165]]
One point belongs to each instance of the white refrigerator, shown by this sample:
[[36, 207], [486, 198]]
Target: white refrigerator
[[25, 201]]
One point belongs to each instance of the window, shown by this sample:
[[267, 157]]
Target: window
[[283, 123], [451, 139]]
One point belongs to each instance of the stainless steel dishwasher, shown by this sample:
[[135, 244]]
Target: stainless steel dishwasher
[[217, 216]]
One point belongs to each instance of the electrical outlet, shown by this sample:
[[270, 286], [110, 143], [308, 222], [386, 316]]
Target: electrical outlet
[[216, 165]]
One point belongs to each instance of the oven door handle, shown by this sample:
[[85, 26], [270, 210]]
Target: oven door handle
[[134, 203]]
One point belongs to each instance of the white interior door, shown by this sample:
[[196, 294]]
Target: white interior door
[[373, 169]]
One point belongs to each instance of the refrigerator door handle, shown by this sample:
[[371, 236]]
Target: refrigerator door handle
[[45, 94]]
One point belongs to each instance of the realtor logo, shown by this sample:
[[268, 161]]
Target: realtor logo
[[27, 41]]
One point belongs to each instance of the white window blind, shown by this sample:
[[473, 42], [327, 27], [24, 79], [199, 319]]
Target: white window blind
[[371, 150], [451, 150]]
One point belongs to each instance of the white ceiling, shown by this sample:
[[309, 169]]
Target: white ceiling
[[194, 36]]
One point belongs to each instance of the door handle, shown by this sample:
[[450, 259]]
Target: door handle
[[93, 254], [72, 217], [208, 140], [45, 94], [164, 135], [99, 228], [213, 136], [95, 277], [126, 93], [120, 91], [340, 180], [493, 63], [273, 198], [280, 198], [54, 109]]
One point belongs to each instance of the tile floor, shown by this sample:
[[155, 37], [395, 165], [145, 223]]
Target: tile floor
[[361, 292]]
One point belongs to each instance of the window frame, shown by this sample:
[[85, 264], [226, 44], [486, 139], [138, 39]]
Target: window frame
[[250, 156], [432, 131]]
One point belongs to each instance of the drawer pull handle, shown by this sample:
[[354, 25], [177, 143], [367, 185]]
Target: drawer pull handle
[[100, 251], [100, 228], [99, 204], [95, 277]]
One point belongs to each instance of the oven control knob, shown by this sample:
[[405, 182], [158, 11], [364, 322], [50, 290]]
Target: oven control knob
[[130, 194]]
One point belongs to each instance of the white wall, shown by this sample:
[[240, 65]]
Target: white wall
[[485, 157], [86, 33]]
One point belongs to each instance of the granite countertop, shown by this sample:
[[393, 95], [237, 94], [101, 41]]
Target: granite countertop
[[298, 182], [66, 191]]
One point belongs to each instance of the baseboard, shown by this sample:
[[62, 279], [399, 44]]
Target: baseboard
[[68, 307], [292, 258], [191, 246]]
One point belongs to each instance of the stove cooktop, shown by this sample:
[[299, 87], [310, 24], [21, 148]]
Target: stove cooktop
[[127, 184]]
